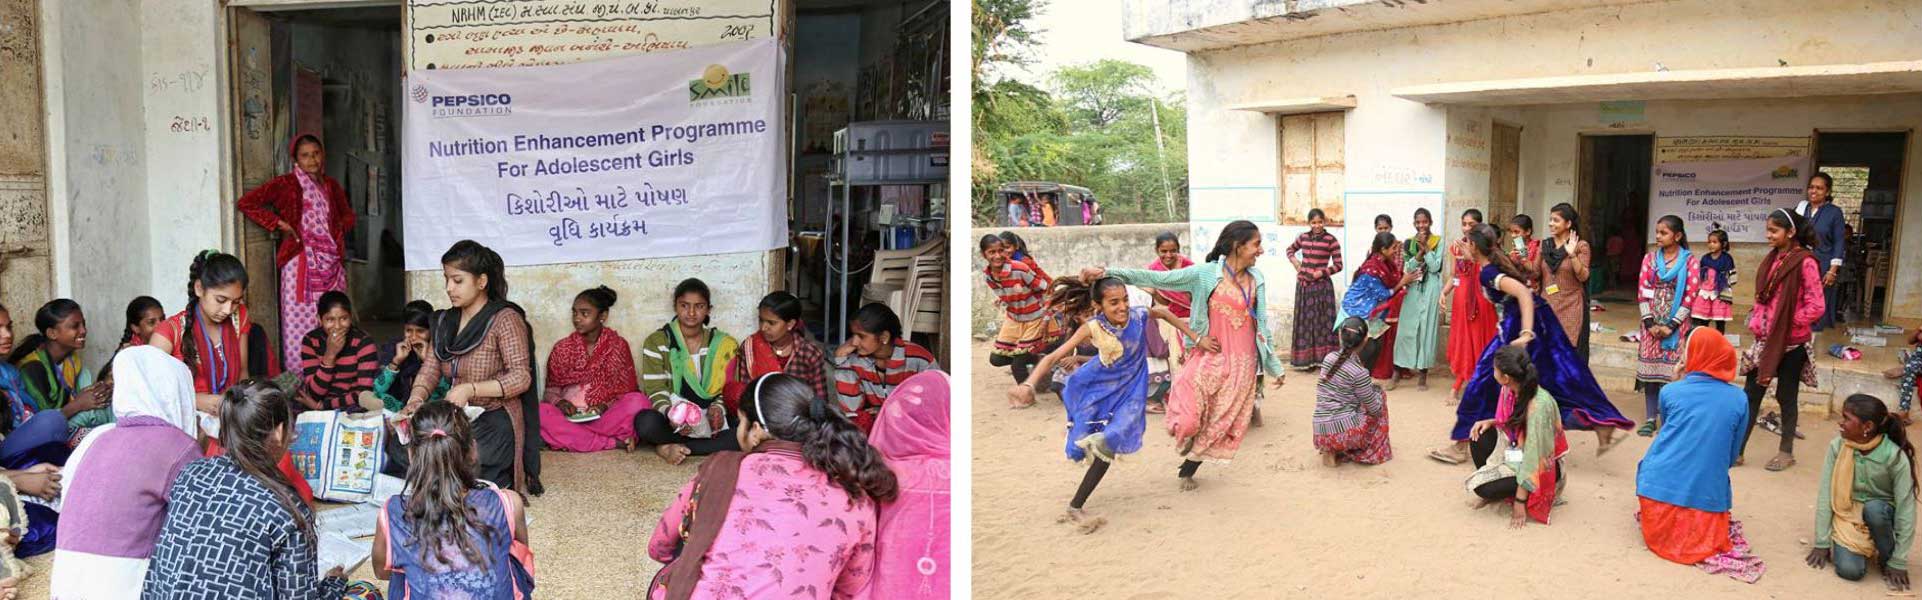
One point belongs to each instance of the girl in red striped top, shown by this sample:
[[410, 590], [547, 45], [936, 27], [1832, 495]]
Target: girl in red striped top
[[872, 362], [337, 360], [1021, 292]]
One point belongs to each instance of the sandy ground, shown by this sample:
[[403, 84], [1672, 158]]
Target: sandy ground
[[1275, 523], [589, 531]]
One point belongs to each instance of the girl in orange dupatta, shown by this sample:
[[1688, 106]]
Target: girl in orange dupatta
[[1683, 481], [209, 336]]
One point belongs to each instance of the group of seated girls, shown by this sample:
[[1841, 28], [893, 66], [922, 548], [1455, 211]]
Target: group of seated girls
[[684, 398]]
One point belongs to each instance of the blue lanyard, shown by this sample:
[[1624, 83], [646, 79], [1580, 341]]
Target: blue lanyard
[[218, 378], [1246, 295]]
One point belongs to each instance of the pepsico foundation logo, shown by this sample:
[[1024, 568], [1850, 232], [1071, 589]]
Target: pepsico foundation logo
[[718, 86], [419, 94]]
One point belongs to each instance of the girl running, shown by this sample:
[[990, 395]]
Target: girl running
[[1105, 398], [1214, 395], [1022, 294]]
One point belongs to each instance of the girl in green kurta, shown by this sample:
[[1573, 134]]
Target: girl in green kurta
[[1418, 339], [49, 361]]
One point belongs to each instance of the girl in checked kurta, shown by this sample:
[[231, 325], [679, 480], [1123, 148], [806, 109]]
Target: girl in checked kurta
[[1582, 403], [1106, 398], [310, 212], [1351, 412], [1564, 269], [1419, 336], [1317, 258], [1670, 277], [1471, 318], [1214, 393]]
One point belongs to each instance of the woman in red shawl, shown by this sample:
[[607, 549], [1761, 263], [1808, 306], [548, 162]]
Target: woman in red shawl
[[592, 395], [310, 212], [780, 346]]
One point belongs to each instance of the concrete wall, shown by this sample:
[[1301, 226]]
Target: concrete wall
[[187, 163], [97, 125], [1398, 154], [26, 268], [1064, 251], [1550, 148]]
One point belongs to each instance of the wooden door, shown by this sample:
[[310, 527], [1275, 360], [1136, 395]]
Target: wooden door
[[1504, 173], [256, 157], [1312, 167]]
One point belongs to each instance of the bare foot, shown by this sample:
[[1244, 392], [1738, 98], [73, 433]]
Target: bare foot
[[1328, 460], [1738, 461], [1393, 382], [1606, 440], [1083, 521], [1421, 385], [1480, 503], [672, 453], [630, 444], [1188, 484], [1254, 417]]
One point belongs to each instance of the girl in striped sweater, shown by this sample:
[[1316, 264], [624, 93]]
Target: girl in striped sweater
[[337, 360]]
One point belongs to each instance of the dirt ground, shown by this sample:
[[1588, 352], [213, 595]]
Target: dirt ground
[[1275, 523], [589, 531]]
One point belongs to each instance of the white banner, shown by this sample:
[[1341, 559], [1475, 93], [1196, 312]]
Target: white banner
[[648, 156], [1738, 194]]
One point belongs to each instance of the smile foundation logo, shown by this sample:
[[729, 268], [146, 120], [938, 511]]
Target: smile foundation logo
[[718, 86]]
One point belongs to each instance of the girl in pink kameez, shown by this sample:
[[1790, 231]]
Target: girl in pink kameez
[[793, 516], [911, 552], [310, 212], [591, 396]]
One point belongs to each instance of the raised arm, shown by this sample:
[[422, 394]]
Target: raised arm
[[1514, 287]]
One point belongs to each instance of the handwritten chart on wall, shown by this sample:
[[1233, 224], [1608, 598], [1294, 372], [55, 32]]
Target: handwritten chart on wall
[[464, 34]]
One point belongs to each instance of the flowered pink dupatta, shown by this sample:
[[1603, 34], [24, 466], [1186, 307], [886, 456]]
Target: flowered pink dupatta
[[320, 268], [911, 548]]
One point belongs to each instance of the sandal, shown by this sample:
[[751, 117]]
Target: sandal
[[1647, 429], [1446, 457], [1781, 462]]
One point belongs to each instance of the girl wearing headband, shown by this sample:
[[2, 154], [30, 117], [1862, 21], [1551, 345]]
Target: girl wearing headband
[[797, 452], [1788, 301], [452, 534]]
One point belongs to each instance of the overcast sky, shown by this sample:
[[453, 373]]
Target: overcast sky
[[1083, 31]]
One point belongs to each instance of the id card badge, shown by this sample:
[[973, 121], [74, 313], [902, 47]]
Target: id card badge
[[1554, 289], [1513, 455], [1458, 282]]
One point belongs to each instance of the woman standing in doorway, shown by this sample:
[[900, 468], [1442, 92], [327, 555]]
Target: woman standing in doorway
[[1564, 269], [1471, 321], [1420, 332], [1830, 243], [1214, 393], [1317, 258], [310, 212], [1670, 276]]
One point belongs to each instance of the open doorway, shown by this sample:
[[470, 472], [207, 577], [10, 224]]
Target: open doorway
[[1612, 198], [1867, 168], [334, 74]]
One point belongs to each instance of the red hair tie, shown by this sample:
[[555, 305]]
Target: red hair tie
[[437, 432]]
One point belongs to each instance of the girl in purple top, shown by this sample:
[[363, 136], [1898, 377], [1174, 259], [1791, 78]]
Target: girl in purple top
[[117, 480]]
